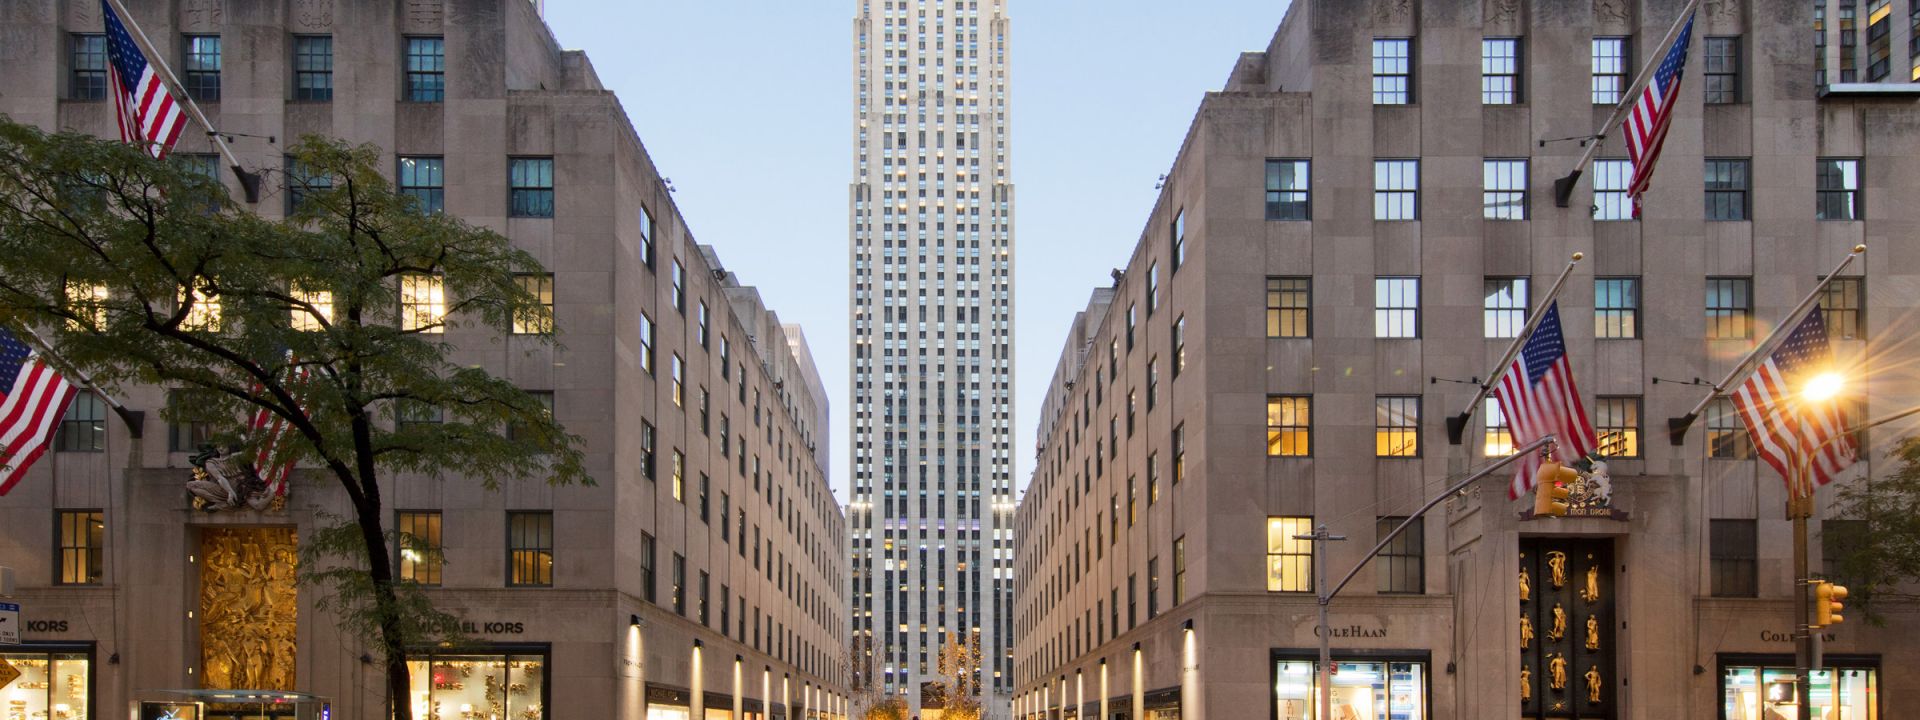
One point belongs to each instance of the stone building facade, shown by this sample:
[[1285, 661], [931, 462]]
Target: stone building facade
[[1352, 232], [700, 576]]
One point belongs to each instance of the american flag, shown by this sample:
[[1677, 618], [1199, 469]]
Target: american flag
[[147, 112], [36, 397], [1783, 428], [1538, 398], [1646, 126], [269, 432]]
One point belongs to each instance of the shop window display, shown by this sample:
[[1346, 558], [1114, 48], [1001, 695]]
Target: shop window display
[[478, 686], [1361, 690], [52, 685], [1750, 692]]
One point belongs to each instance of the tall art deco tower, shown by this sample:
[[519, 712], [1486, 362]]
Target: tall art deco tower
[[932, 249]]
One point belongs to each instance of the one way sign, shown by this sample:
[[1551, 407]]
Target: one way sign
[[9, 623]]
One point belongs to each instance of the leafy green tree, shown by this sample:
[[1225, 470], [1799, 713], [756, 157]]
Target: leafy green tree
[[142, 272], [1877, 543]]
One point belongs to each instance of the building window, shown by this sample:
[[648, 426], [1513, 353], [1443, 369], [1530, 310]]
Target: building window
[[1289, 195], [1153, 478], [313, 67], [201, 71], [1289, 307], [1616, 420], [311, 310], [1132, 316], [423, 304], [1723, 70], [701, 325], [647, 450], [1503, 189], [1616, 307], [679, 476], [536, 319], [1844, 688], [679, 589], [646, 344], [410, 414], [84, 427], [648, 579], [1837, 182], [1153, 587], [1729, 308], [1153, 382], [1179, 345], [1396, 426], [1392, 71], [678, 373], [424, 180], [706, 486], [1504, 307], [1153, 287], [534, 435], [1609, 70], [530, 549], [88, 65], [1179, 569], [302, 183], [426, 69], [1289, 425], [1289, 559], [446, 680], [1844, 307], [1179, 233], [1498, 437], [1734, 546], [83, 537], [188, 428], [701, 611], [1403, 562], [419, 546], [646, 237], [1727, 436], [531, 192], [1179, 453], [1396, 189], [1728, 182], [1396, 307], [1500, 71], [1610, 181], [679, 287], [1393, 687]]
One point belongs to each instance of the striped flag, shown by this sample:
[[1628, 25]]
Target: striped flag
[[269, 432], [36, 398], [1785, 429], [148, 114], [1646, 126], [1538, 398]]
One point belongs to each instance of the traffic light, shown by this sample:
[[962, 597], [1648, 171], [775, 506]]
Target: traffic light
[[1826, 603], [1549, 492]]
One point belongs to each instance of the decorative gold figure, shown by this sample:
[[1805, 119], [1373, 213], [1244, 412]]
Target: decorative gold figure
[[1526, 684], [1592, 592], [1593, 633], [1559, 628], [248, 608], [1557, 665], [1526, 593], [1526, 632], [1593, 684], [1557, 562]]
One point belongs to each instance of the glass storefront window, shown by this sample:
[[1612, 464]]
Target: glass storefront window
[[479, 686], [51, 685], [1751, 692], [1360, 690]]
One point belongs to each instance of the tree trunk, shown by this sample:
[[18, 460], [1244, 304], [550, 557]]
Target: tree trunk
[[380, 570]]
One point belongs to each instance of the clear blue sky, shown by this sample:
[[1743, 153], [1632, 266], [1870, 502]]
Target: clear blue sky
[[746, 105]]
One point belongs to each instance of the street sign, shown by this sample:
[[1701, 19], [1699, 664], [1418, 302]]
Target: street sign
[[9, 623]]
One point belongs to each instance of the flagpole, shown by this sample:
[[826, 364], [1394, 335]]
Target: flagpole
[[1563, 187], [1677, 427], [249, 182], [1457, 424], [132, 418]]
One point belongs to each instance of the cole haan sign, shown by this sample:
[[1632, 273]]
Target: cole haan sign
[[1352, 631]]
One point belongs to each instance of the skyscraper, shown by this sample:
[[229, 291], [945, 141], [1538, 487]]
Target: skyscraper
[[931, 228]]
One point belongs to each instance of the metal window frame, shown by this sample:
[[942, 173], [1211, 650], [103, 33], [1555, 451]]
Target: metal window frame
[[512, 579]]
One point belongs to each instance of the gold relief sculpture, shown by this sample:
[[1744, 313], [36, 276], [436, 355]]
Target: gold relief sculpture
[[1593, 633], [1526, 593], [1557, 667], [1526, 632], [1557, 562], [1593, 685], [1559, 704], [248, 608], [1559, 628], [1526, 684], [1592, 592]]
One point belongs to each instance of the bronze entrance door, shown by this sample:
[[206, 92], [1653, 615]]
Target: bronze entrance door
[[1566, 625]]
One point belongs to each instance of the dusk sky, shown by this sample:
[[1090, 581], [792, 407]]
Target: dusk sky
[[747, 106]]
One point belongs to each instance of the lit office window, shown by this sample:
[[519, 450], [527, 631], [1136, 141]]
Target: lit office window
[[83, 540], [423, 303], [419, 546], [1844, 306], [1616, 422], [1497, 440], [1289, 306], [1396, 426], [1289, 559], [1289, 425], [530, 549], [536, 319], [1727, 436]]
